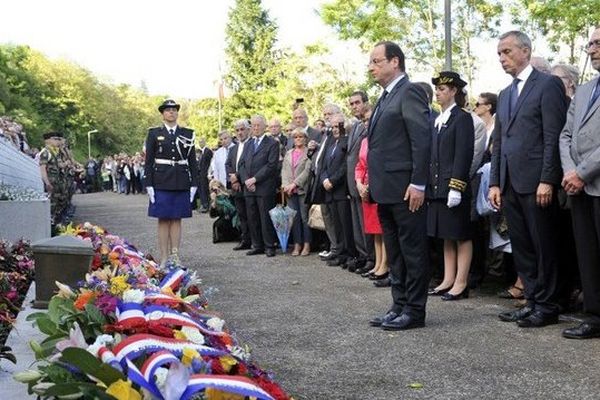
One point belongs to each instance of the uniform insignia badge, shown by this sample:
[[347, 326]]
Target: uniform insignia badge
[[160, 138]]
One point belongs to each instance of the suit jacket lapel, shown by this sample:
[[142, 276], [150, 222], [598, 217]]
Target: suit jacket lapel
[[529, 84], [586, 98], [384, 103]]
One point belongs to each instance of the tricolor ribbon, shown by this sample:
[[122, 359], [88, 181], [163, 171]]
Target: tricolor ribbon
[[226, 383], [135, 376], [137, 345], [173, 279]]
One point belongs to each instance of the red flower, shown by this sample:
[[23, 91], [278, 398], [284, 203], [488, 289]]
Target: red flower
[[272, 388]]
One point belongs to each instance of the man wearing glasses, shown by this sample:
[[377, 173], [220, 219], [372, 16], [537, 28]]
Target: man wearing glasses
[[580, 157]]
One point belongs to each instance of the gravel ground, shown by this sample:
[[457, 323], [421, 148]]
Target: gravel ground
[[307, 323]]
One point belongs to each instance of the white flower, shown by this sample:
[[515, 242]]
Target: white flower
[[40, 388], [87, 225], [101, 341], [216, 324], [28, 375], [134, 296], [240, 353], [64, 290], [161, 377], [193, 335]]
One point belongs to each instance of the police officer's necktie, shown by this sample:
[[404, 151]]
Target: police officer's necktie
[[171, 131], [595, 96], [514, 96]]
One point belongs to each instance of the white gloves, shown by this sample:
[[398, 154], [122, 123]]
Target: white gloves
[[454, 197], [150, 191], [193, 190]]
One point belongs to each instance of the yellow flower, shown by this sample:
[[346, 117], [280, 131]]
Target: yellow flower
[[122, 390], [189, 355], [179, 335], [119, 284], [227, 362], [214, 394]]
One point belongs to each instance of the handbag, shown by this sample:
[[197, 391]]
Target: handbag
[[315, 217]]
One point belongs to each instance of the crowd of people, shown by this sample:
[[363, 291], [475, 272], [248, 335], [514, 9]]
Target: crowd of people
[[506, 185]]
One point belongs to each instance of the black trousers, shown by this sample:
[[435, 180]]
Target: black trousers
[[203, 191], [533, 235], [585, 210], [405, 239], [342, 221], [364, 243], [240, 206], [261, 228]]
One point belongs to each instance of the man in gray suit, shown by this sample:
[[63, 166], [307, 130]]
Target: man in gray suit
[[525, 173], [580, 157], [359, 104]]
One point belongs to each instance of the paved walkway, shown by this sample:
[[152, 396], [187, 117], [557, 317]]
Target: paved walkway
[[308, 324]]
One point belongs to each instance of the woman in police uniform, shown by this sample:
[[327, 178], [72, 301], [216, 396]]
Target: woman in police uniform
[[448, 215], [171, 178]]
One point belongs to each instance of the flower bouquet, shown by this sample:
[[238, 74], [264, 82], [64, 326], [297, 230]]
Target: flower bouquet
[[133, 330]]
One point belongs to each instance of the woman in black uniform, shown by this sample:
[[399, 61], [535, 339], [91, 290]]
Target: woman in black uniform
[[448, 192], [171, 178]]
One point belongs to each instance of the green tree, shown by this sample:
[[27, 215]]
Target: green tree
[[418, 25], [561, 22]]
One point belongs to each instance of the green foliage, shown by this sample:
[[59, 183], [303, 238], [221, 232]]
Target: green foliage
[[417, 25], [90, 365], [561, 22], [45, 95]]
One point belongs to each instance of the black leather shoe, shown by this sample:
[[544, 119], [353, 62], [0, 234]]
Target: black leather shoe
[[383, 283], [352, 264], [270, 252], [377, 321], [514, 316], [331, 256], [254, 252], [362, 270], [452, 297], [439, 292], [402, 322], [335, 262], [242, 246], [538, 319], [370, 264], [583, 331], [375, 277]]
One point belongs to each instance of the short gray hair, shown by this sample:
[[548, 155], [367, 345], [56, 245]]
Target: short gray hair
[[522, 38], [571, 72], [243, 122]]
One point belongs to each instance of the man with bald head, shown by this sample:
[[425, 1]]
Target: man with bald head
[[300, 119]]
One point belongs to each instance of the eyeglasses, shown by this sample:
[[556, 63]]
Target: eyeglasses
[[593, 43], [377, 61], [480, 104], [240, 129]]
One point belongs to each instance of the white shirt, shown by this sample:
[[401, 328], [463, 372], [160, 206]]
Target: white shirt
[[169, 128], [240, 151], [523, 76], [443, 117], [217, 164]]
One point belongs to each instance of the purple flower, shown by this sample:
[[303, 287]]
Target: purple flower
[[106, 303]]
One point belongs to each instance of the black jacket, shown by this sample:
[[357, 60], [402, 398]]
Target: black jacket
[[160, 144], [334, 168], [260, 164]]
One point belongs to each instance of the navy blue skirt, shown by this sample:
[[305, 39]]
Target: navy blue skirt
[[170, 204]]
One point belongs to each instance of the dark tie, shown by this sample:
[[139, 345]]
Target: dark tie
[[514, 96], [380, 101], [595, 96], [333, 150], [255, 145], [171, 131]]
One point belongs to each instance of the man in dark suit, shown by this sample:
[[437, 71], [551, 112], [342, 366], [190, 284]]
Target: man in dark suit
[[204, 158], [398, 162], [525, 172], [300, 119], [580, 156], [232, 167], [258, 172], [359, 104]]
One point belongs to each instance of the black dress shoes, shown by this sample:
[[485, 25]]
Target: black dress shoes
[[336, 262], [402, 323], [242, 246], [362, 270], [377, 321], [514, 316], [270, 252], [583, 331], [438, 292], [538, 319], [452, 297], [328, 257], [383, 283], [375, 277], [254, 252]]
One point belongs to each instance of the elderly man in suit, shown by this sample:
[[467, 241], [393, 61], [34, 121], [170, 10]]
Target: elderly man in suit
[[525, 172], [232, 167], [300, 119], [258, 172], [359, 104], [580, 157], [398, 161], [204, 155]]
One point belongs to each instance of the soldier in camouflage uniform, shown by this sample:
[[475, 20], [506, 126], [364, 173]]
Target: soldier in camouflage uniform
[[51, 173]]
